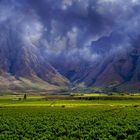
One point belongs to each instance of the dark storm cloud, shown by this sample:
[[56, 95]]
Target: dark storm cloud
[[80, 13], [76, 29]]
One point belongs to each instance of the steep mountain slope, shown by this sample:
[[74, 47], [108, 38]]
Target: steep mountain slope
[[120, 72], [22, 66]]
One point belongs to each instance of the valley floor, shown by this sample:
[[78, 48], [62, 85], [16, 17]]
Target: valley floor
[[50, 101]]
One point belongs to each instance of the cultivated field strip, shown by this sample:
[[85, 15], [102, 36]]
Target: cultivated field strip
[[83, 123]]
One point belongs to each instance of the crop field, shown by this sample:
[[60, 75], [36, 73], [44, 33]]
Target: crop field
[[39, 119], [91, 123]]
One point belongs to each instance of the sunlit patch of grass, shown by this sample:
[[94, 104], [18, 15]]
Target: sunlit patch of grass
[[39, 101]]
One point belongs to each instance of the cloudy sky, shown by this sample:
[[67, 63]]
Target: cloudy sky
[[75, 29]]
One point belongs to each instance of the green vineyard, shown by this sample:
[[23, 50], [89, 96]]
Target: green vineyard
[[79, 123]]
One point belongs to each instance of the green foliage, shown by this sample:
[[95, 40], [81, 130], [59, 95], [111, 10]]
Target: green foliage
[[95, 123]]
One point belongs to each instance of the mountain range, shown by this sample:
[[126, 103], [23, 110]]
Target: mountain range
[[53, 45]]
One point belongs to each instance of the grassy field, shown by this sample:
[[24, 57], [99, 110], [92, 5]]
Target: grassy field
[[17, 100], [39, 119]]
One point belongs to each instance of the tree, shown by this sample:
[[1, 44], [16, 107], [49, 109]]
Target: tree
[[25, 96]]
